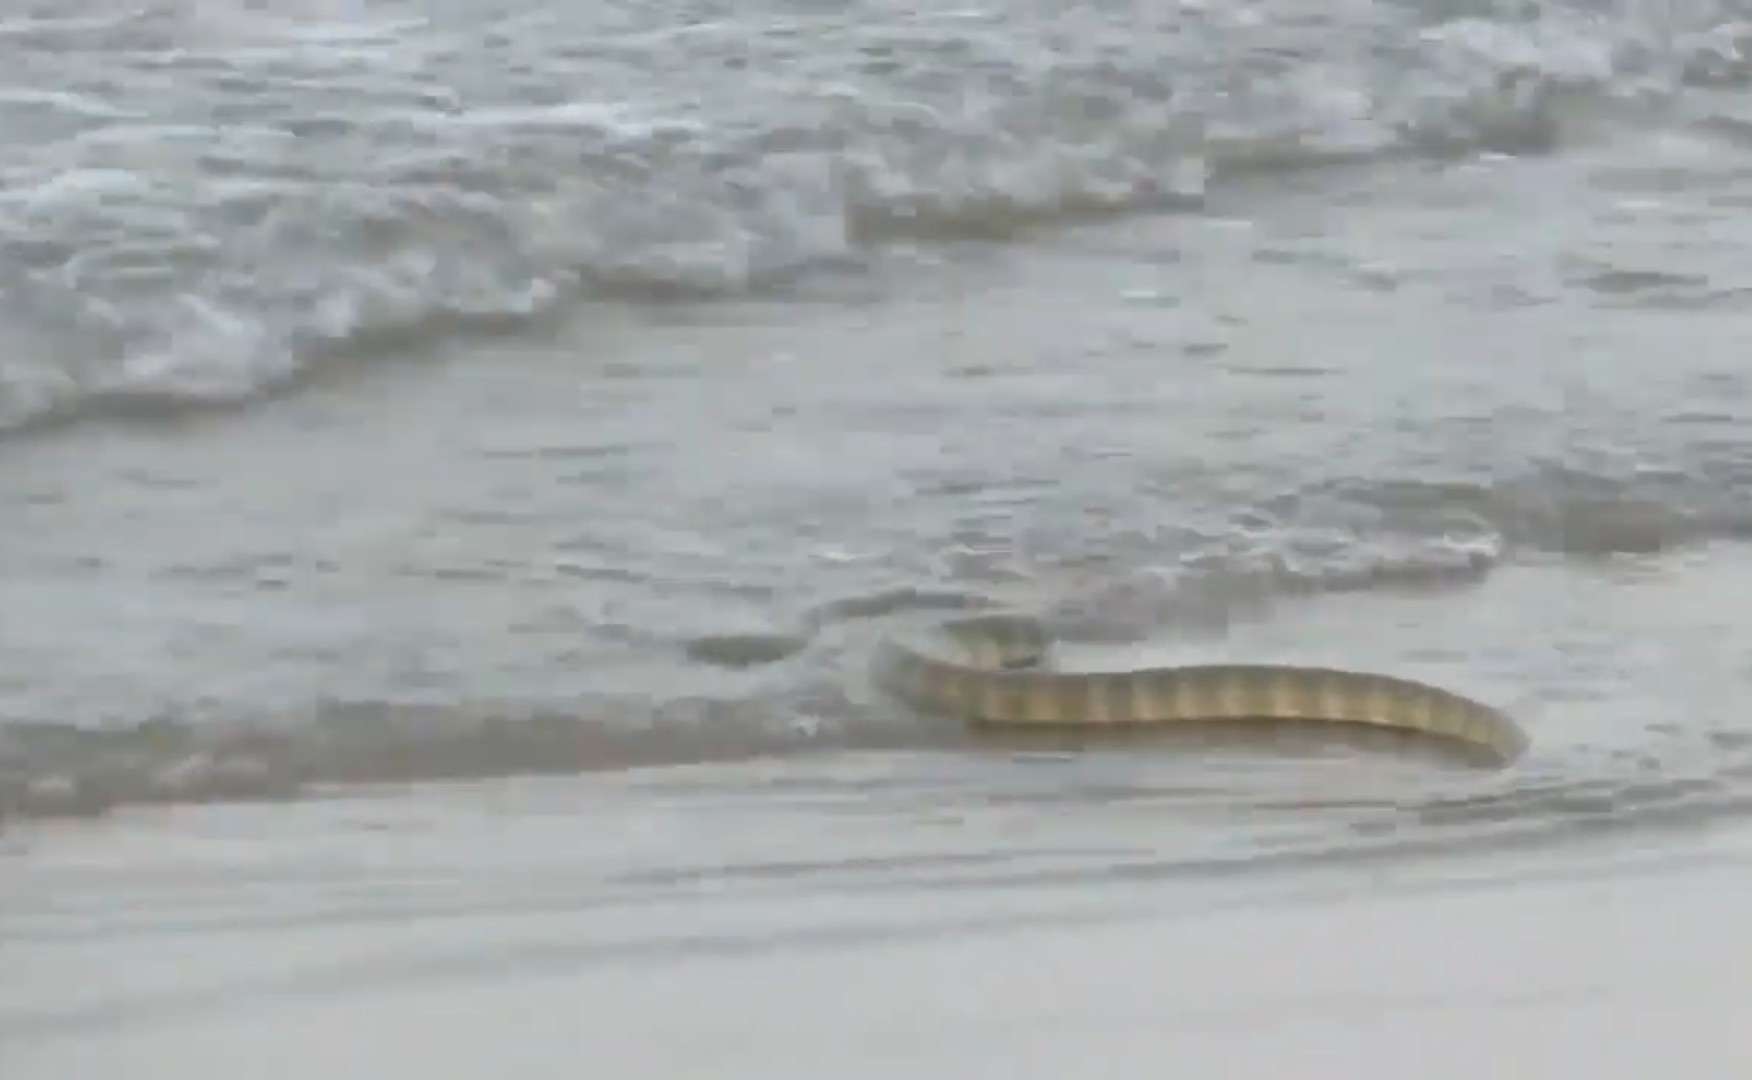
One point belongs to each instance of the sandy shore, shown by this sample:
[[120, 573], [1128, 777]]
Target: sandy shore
[[451, 933]]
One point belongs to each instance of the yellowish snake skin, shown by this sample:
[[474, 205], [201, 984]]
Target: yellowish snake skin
[[991, 685]]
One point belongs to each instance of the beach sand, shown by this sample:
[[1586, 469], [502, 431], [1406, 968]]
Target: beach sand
[[346, 939]]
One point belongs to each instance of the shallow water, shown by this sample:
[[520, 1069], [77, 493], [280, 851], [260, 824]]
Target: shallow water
[[512, 554], [396, 395]]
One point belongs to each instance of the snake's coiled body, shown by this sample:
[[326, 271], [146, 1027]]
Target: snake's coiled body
[[991, 685]]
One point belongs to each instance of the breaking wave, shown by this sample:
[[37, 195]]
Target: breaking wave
[[201, 207]]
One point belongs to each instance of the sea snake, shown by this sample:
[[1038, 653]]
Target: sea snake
[[997, 682]]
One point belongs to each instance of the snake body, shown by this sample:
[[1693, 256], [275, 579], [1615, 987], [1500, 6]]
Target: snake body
[[996, 682]]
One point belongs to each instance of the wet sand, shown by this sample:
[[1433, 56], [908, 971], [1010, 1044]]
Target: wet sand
[[445, 933]]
